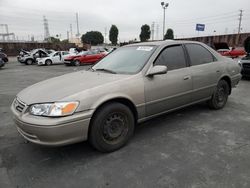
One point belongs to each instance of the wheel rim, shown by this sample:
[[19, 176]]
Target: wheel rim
[[49, 63], [29, 62], [221, 96], [77, 63], [115, 128]]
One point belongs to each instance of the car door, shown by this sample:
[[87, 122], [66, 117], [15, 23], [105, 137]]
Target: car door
[[173, 89], [205, 71], [56, 58]]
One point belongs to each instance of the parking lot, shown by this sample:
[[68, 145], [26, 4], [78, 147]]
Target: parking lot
[[192, 147]]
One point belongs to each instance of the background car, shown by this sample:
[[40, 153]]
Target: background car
[[3, 58], [30, 57], [56, 57], [225, 50], [245, 66], [69, 60], [89, 58]]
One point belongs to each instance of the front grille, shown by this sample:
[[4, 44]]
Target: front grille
[[246, 65], [19, 105]]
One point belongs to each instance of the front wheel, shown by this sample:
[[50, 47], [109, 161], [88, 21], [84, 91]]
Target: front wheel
[[48, 62], [29, 62], [112, 127], [77, 63], [220, 96]]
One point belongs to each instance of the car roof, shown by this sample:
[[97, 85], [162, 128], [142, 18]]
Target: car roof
[[163, 43]]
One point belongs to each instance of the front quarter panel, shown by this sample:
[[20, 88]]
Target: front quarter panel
[[130, 88]]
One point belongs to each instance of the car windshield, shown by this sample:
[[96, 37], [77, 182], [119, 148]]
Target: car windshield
[[126, 60]]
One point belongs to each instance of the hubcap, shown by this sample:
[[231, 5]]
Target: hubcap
[[221, 96], [115, 127]]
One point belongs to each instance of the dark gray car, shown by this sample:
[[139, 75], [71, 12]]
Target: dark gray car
[[132, 84]]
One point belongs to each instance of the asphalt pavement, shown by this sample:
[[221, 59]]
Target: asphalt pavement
[[193, 147]]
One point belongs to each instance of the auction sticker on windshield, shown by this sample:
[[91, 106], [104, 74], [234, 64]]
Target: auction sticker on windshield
[[145, 48]]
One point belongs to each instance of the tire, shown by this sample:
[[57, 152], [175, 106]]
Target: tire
[[77, 63], [29, 62], [48, 62], [220, 96], [111, 128]]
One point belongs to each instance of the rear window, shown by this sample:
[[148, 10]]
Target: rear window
[[199, 55]]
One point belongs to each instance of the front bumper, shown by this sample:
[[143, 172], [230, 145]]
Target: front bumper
[[21, 59], [53, 131], [40, 62], [68, 62]]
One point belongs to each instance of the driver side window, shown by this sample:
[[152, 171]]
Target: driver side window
[[173, 57], [56, 54]]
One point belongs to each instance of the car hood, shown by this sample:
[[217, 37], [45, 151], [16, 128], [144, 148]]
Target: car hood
[[58, 88]]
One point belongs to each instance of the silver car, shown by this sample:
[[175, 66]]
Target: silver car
[[133, 84]]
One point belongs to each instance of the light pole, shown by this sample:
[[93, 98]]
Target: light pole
[[164, 6]]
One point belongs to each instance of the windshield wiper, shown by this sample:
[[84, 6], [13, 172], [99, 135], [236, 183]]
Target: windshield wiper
[[106, 70]]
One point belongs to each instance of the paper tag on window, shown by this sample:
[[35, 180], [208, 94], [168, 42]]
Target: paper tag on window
[[144, 48]]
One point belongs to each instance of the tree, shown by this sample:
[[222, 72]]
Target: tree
[[53, 40], [145, 33], [113, 34], [247, 45], [65, 41], [92, 37], [169, 34]]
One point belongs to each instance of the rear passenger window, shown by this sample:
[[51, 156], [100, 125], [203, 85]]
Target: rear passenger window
[[173, 57], [198, 54]]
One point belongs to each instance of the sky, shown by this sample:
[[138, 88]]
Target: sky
[[25, 17]]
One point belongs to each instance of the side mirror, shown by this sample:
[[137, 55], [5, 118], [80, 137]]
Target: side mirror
[[156, 70]]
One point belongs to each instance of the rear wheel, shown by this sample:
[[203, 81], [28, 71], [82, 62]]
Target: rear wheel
[[220, 96], [77, 63], [112, 127], [48, 62]]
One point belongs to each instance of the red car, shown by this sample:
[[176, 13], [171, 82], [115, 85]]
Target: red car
[[89, 57], [224, 50]]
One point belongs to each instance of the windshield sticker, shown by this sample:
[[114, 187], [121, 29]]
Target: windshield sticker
[[145, 48]]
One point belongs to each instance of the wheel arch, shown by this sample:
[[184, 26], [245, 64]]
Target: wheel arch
[[228, 80], [123, 100]]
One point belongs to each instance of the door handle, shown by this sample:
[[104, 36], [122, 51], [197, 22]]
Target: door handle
[[186, 77], [218, 71]]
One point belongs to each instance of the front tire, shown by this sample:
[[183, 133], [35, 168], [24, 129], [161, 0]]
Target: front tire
[[48, 62], [29, 62], [220, 96], [77, 63], [112, 127]]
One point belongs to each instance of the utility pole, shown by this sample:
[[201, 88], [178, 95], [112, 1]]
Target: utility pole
[[153, 30], [105, 35], [71, 31], [68, 35], [157, 32], [77, 25], [240, 20], [164, 6], [46, 28]]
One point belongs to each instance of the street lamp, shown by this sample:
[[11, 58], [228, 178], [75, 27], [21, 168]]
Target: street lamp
[[164, 6]]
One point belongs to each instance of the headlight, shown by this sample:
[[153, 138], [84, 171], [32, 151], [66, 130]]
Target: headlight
[[54, 109]]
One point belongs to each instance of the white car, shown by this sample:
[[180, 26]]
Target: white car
[[53, 58]]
